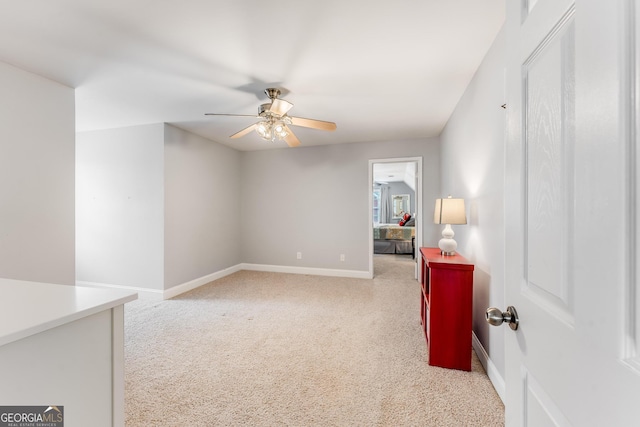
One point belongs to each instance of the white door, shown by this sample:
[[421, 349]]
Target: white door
[[570, 210]]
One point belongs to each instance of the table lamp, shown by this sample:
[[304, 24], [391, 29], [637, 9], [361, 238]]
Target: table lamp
[[449, 211]]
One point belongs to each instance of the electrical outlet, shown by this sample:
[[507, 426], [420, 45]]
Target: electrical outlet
[[341, 257], [299, 255]]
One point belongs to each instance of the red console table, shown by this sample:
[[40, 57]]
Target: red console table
[[446, 304]]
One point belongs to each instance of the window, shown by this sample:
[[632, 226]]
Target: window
[[376, 205]]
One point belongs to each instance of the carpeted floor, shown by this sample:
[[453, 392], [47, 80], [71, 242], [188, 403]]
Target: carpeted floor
[[270, 349]]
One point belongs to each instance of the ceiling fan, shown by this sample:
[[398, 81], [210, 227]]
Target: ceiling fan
[[275, 121]]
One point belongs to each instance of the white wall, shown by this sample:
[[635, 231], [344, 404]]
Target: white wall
[[202, 207], [157, 207], [473, 168], [315, 200], [37, 143], [120, 206]]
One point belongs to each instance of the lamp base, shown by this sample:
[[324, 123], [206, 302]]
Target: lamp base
[[447, 245]]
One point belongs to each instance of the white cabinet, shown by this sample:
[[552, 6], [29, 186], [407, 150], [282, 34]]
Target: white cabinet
[[63, 345]]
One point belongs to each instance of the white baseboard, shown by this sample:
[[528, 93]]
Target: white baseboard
[[158, 295], [143, 293], [353, 274], [492, 371], [196, 283]]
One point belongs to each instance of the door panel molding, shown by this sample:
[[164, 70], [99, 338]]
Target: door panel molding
[[548, 87], [539, 407]]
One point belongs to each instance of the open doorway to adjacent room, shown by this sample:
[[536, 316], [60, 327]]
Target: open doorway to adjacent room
[[395, 209]]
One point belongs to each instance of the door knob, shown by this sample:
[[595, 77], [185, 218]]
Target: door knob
[[497, 317]]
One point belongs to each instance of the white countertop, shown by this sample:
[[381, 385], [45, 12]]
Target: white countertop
[[27, 308]]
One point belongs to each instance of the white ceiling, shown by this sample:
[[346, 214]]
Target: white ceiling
[[395, 172], [382, 70]]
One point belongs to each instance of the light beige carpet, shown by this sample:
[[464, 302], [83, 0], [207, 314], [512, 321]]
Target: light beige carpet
[[270, 349]]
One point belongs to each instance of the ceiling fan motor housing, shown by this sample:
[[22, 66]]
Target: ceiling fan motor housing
[[272, 93], [263, 109]]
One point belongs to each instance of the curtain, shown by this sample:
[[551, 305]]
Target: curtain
[[385, 205]]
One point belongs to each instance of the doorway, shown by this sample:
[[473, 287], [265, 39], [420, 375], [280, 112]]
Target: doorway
[[399, 181]]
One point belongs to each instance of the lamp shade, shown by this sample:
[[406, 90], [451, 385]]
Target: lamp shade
[[449, 211]]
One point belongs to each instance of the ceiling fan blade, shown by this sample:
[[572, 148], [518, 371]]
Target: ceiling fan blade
[[311, 123], [244, 131], [232, 115], [291, 139], [280, 107]]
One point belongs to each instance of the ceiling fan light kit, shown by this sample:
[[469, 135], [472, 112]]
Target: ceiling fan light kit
[[276, 122], [271, 129]]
